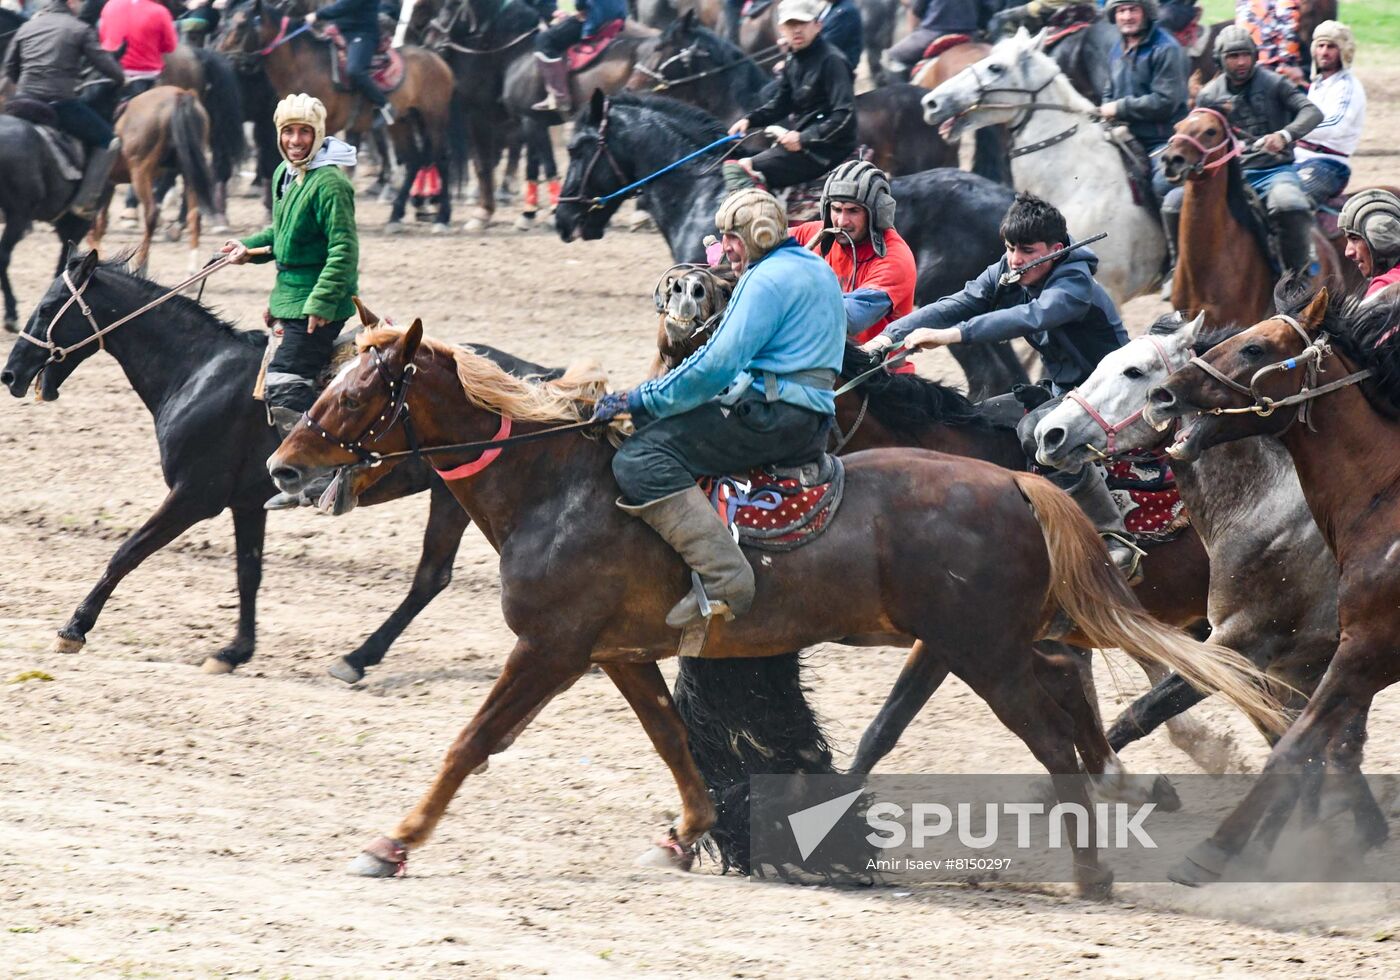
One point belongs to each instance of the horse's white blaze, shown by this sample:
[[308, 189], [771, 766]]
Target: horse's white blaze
[[1082, 175], [344, 372]]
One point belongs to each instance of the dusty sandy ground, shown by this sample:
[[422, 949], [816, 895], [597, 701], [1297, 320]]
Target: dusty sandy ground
[[157, 821]]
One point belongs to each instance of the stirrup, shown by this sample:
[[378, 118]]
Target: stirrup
[[1133, 572]]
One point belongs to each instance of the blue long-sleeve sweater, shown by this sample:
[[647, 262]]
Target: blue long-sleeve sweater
[[786, 315]]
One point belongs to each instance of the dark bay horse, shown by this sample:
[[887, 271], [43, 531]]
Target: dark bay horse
[[1324, 377], [949, 218], [592, 586], [264, 32], [214, 439]]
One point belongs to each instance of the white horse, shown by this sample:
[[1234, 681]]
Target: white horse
[[1059, 152]]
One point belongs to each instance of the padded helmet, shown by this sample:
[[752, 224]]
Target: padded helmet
[[305, 110], [1151, 13], [757, 218], [865, 184], [1234, 39], [1340, 35], [1373, 215]]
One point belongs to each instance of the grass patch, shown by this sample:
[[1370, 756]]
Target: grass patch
[[1374, 22]]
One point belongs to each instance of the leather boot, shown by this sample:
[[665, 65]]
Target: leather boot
[[1091, 493], [555, 74], [1295, 240], [688, 523], [95, 173], [1171, 226], [285, 419]]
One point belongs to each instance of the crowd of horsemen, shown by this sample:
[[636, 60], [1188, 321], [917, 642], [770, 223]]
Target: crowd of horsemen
[[760, 391]]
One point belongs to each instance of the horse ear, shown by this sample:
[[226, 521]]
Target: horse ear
[[412, 337], [86, 265], [1037, 43], [688, 20], [597, 108], [1195, 326], [1314, 312], [367, 316]]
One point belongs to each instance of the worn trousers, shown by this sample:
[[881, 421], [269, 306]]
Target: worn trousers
[[667, 455], [359, 52], [298, 360]]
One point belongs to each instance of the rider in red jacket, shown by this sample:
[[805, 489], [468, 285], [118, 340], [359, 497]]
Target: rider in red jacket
[[148, 31]]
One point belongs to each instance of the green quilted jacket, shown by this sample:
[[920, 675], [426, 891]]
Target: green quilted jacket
[[314, 244]]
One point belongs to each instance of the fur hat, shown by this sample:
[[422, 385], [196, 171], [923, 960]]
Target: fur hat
[[305, 110], [1340, 35], [756, 217]]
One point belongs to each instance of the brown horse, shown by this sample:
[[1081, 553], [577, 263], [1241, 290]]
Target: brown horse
[[938, 70], [299, 61], [1217, 221], [1324, 378], [162, 124], [593, 587]]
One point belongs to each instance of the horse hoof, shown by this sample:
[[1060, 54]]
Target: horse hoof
[[1202, 865], [172, 231], [386, 196], [68, 644], [1095, 884], [344, 670], [524, 223], [394, 228], [663, 857], [384, 858], [220, 225], [1164, 795], [441, 228], [474, 225], [213, 665], [11, 325]]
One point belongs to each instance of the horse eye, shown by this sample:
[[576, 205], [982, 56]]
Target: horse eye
[[349, 403], [1252, 351], [1133, 373], [995, 68], [698, 291]]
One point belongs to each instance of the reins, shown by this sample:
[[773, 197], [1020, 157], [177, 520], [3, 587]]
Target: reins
[[759, 59], [463, 49], [1111, 430]]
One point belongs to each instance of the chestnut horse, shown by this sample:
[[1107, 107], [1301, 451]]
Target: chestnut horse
[[1222, 266], [582, 583], [1325, 378]]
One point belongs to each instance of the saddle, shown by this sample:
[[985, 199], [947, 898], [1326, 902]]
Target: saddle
[[66, 151], [386, 68], [590, 49], [779, 508], [1144, 488], [936, 47], [1069, 21], [1137, 164]]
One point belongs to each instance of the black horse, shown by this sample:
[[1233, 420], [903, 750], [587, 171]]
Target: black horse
[[949, 218], [214, 442]]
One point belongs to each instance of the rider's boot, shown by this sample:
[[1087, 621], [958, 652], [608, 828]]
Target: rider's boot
[[1295, 240], [1091, 493], [1171, 226], [94, 182], [383, 117], [555, 74], [688, 523], [738, 177], [285, 419]]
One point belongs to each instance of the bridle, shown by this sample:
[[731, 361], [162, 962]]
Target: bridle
[[1027, 108], [1315, 350], [1111, 430], [686, 58], [601, 151], [1216, 156]]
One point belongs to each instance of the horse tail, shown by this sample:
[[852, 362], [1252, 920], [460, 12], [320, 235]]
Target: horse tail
[[189, 132], [1085, 583], [223, 101], [745, 716]]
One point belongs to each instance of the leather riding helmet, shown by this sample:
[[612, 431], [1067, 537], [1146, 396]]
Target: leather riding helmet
[[1340, 35], [305, 110], [865, 184], [1150, 11], [1374, 216], [1234, 39], [757, 218]]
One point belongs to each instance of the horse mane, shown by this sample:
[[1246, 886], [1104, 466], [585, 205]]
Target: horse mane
[[1365, 332], [180, 303], [684, 120], [488, 386], [906, 401], [1212, 336], [1167, 324]]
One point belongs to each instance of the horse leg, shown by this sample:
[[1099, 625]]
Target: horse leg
[[529, 679], [194, 218], [920, 677], [249, 533], [645, 690], [482, 139], [15, 227], [143, 185], [442, 159], [177, 513], [447, 521], [1167, 699]]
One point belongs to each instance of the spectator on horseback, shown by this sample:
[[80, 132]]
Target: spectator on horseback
[[842, 28], [1324, 158], [1032, 16], [1146, 89], [928, 21], [358, 21], [1371, 221], [45, 61], [315, 244], [1270, 115], [814, 101], [759, 393], [1058, 309], [553, 43], [147, 30], [856, 236]]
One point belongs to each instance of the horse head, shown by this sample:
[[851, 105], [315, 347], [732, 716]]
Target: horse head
[[594, 172], [677, 52], [245, 30], [995, 90], [690, 299], [62, 320], [1227, 392], [1200, 143], [1104, 414]]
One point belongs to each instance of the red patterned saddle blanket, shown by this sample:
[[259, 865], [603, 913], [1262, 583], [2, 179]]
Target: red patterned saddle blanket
[[1145, 490], [385, 68], [779, 509], [1068, 21], [590, 49]]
